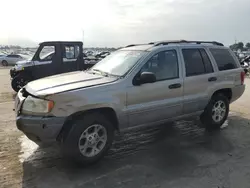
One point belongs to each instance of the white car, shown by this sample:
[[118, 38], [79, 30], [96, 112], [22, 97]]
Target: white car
[[11, 59]]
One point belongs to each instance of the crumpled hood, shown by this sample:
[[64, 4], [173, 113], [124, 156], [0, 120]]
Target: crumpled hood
[[64, 82]]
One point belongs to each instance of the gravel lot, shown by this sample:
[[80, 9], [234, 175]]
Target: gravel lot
[[174, 155]]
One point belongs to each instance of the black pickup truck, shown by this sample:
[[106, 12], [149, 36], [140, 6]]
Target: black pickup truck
[[52, 57]]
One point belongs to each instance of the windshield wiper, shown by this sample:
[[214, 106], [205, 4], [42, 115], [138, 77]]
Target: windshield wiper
[[106, 74], [102, 73]]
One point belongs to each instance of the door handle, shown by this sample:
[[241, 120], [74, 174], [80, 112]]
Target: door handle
[[212, 79], [174, 86]]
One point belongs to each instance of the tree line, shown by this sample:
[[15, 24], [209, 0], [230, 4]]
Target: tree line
[[240, 46], [7, 47]]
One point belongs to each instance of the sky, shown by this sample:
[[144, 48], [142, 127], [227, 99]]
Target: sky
[[114, 23]]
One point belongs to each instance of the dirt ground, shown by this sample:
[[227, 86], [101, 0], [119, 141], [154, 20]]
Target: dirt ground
[[174, 155]]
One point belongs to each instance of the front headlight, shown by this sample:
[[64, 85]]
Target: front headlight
[[18, 67], [33, 105]]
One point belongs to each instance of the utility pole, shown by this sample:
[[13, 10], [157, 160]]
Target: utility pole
[[235, 40], [83, 36]]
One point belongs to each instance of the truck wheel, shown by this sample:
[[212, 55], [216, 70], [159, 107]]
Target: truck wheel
[[4, 63], [216, 112], [19, 81], [88, 139]]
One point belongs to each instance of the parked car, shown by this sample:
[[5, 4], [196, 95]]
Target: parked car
[[102, 54], [245, 64], [52, 57], [11, 59], [89, 53], [1, 55], [139, 85]]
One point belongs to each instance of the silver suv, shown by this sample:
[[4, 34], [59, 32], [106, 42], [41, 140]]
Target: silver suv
[[138, 85]]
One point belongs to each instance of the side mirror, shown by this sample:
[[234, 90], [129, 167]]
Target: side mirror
[[147, 77]]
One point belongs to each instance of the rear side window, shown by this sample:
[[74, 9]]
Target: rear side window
[[71, 51], [224, 59], [196, 62]]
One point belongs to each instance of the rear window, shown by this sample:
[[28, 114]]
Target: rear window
[[224, 59], [13, 56]]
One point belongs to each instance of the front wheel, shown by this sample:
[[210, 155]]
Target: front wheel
[[216, 112], [19, 81], [88, 139]]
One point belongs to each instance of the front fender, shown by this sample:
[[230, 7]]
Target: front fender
[[25, 70], [73, 102]]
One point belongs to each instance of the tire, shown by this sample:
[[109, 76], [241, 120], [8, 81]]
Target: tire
[[81, 133], [216, 112], [19, 81], [5, 63]]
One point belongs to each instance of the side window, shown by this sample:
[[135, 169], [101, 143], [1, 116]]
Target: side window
[[164, 65], [71, 52], [206, 61], [46, 52], [193, 62], [11, 56], [49, 56], [224, 59]]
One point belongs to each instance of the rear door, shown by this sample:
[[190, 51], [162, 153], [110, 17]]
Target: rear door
[[199, 79], [19, 58], [229, 69], [71, 57]]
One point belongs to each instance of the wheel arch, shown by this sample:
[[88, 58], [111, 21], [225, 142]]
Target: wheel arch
[[225, 91], [106, 111]]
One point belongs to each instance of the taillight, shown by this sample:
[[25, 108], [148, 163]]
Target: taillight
[[242, 77]]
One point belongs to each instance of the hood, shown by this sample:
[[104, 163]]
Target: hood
[[23, 62], [65, 82]]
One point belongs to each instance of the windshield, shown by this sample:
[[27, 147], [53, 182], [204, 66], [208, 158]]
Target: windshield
[[118, 63]]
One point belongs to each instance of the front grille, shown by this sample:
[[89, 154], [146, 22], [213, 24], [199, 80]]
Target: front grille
[[21, 95]]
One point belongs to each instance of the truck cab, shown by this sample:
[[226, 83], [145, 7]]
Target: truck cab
[[51, 58]]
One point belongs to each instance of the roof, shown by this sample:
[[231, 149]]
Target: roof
[[62, 42], [139, 47]]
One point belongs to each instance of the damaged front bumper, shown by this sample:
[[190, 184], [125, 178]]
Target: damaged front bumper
[[40, 129], [13, 72]]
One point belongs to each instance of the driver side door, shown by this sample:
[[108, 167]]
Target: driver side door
[[45, 61], [155, 102]]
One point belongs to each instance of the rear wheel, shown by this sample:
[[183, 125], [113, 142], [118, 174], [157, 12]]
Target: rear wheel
[[4, 63], [88, 139], [216, 112], [19, 81]]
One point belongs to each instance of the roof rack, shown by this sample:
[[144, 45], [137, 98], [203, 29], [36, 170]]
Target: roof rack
[[131, 45], [185, 41], [176, 42]]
